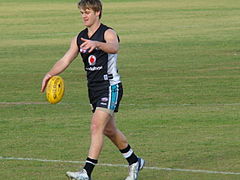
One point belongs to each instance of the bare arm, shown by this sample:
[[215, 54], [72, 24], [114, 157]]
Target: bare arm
[[111, 46], [62, 64]]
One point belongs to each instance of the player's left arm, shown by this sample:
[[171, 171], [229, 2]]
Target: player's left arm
[[111, 45]]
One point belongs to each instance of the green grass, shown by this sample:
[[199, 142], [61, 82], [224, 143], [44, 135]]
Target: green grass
[[179, 62]]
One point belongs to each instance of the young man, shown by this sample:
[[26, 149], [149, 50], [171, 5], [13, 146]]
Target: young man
[[98, 46]]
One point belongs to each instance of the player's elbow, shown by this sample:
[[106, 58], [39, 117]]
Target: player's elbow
[[114, 50]]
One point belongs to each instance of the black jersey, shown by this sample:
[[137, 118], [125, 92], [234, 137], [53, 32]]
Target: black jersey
[[100, 66]]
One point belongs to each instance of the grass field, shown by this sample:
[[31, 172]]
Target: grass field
[[179, 62]]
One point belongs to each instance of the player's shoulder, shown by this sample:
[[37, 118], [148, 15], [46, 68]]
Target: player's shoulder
[[104, 27], [83, 33], [110, 32], [107, 28]]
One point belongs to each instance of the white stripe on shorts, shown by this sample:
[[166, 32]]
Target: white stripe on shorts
[[109, 97]]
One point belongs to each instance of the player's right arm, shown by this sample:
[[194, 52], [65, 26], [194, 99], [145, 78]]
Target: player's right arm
[[62, 64]]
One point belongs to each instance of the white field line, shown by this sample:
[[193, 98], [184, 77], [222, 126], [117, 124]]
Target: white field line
[[121, 165]]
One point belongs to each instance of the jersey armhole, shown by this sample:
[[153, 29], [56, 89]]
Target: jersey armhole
[[114, 31]]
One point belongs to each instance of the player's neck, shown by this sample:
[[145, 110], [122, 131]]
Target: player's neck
[[93, 28]]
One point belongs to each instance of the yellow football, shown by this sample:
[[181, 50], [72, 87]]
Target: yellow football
[[55, 89]]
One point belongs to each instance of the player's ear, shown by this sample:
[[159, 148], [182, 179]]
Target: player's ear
[[98, 13]]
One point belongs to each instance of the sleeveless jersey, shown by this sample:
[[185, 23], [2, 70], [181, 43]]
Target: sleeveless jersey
[[100, 66]]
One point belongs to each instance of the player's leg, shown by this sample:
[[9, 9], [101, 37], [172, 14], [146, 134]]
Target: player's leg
[[119, 139], [98, 123], [115, 135]]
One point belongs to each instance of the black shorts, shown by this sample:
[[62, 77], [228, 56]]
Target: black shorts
[[108, 97]]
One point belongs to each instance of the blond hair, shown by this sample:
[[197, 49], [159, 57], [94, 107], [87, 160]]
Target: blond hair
[[95, 5]]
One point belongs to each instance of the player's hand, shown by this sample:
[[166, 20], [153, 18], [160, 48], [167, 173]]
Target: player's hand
[[45, 81], [88, 45]]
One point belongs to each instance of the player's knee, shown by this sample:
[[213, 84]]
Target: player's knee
[[96, 128], [109, 132]]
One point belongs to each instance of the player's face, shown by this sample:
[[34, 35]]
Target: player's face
[[89, 17]]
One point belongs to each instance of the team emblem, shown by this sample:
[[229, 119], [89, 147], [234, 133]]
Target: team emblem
[[104, 99], [92, 60]]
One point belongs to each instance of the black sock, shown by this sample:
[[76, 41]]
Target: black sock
[[129, 155], [90, 164]]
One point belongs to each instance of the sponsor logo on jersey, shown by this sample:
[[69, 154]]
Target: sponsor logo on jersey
[[92, 60], [94, 68]]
